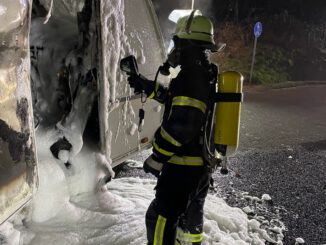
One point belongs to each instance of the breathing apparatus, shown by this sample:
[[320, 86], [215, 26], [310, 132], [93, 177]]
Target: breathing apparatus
[[221, 133], [173, 59]]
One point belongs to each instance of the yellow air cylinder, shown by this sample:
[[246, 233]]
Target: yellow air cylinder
[[227, 112]]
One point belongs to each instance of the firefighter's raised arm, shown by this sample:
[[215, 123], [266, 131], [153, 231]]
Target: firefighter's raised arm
[[141, 84]]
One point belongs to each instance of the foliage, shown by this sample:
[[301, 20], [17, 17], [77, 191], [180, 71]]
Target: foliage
[[289, 48], [272, 63]]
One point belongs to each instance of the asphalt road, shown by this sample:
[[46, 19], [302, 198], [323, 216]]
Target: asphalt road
[[282, 153]]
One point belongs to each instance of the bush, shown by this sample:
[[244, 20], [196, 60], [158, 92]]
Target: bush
[[272, 63], [271, 66]]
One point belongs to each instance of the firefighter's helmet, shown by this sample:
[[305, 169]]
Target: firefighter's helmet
[[196, 27]]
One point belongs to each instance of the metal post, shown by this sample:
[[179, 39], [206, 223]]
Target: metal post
[[253, 60], [192, 4]]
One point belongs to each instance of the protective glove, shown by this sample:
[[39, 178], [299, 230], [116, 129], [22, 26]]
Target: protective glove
[[140, 83], [153, 166]]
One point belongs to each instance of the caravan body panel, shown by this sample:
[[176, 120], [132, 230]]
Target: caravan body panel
[[140, 36]]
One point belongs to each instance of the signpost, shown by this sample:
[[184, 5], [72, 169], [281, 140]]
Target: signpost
[[258, 29]]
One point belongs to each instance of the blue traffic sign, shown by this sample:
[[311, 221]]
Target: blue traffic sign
[[258, 29]]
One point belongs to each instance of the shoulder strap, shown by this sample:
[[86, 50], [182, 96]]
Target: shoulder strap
[[213, 70]]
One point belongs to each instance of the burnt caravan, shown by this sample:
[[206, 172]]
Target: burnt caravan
[[59, 72]]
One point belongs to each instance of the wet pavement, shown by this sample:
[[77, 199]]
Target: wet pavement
[[282, 153]]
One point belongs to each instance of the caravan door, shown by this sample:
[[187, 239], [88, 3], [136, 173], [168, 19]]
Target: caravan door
[[127, 27], [18, 169]]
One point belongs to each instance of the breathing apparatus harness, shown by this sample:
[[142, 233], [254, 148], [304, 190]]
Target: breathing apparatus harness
[[208, 129]]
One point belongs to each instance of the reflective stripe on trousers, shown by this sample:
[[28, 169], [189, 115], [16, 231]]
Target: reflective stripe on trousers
[[159, 230], [184, 238]]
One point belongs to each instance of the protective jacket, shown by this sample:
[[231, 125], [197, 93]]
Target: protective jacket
[[178, 140], [175, 216]]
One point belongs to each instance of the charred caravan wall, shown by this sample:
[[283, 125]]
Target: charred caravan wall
[[63, 65], [17, 146]]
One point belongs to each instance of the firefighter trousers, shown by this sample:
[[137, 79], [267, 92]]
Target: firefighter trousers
[[175, 216]]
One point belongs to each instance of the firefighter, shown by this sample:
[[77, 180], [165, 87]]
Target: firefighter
[[175, 216]]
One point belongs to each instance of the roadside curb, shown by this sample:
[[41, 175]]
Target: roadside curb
[[290, 84]]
